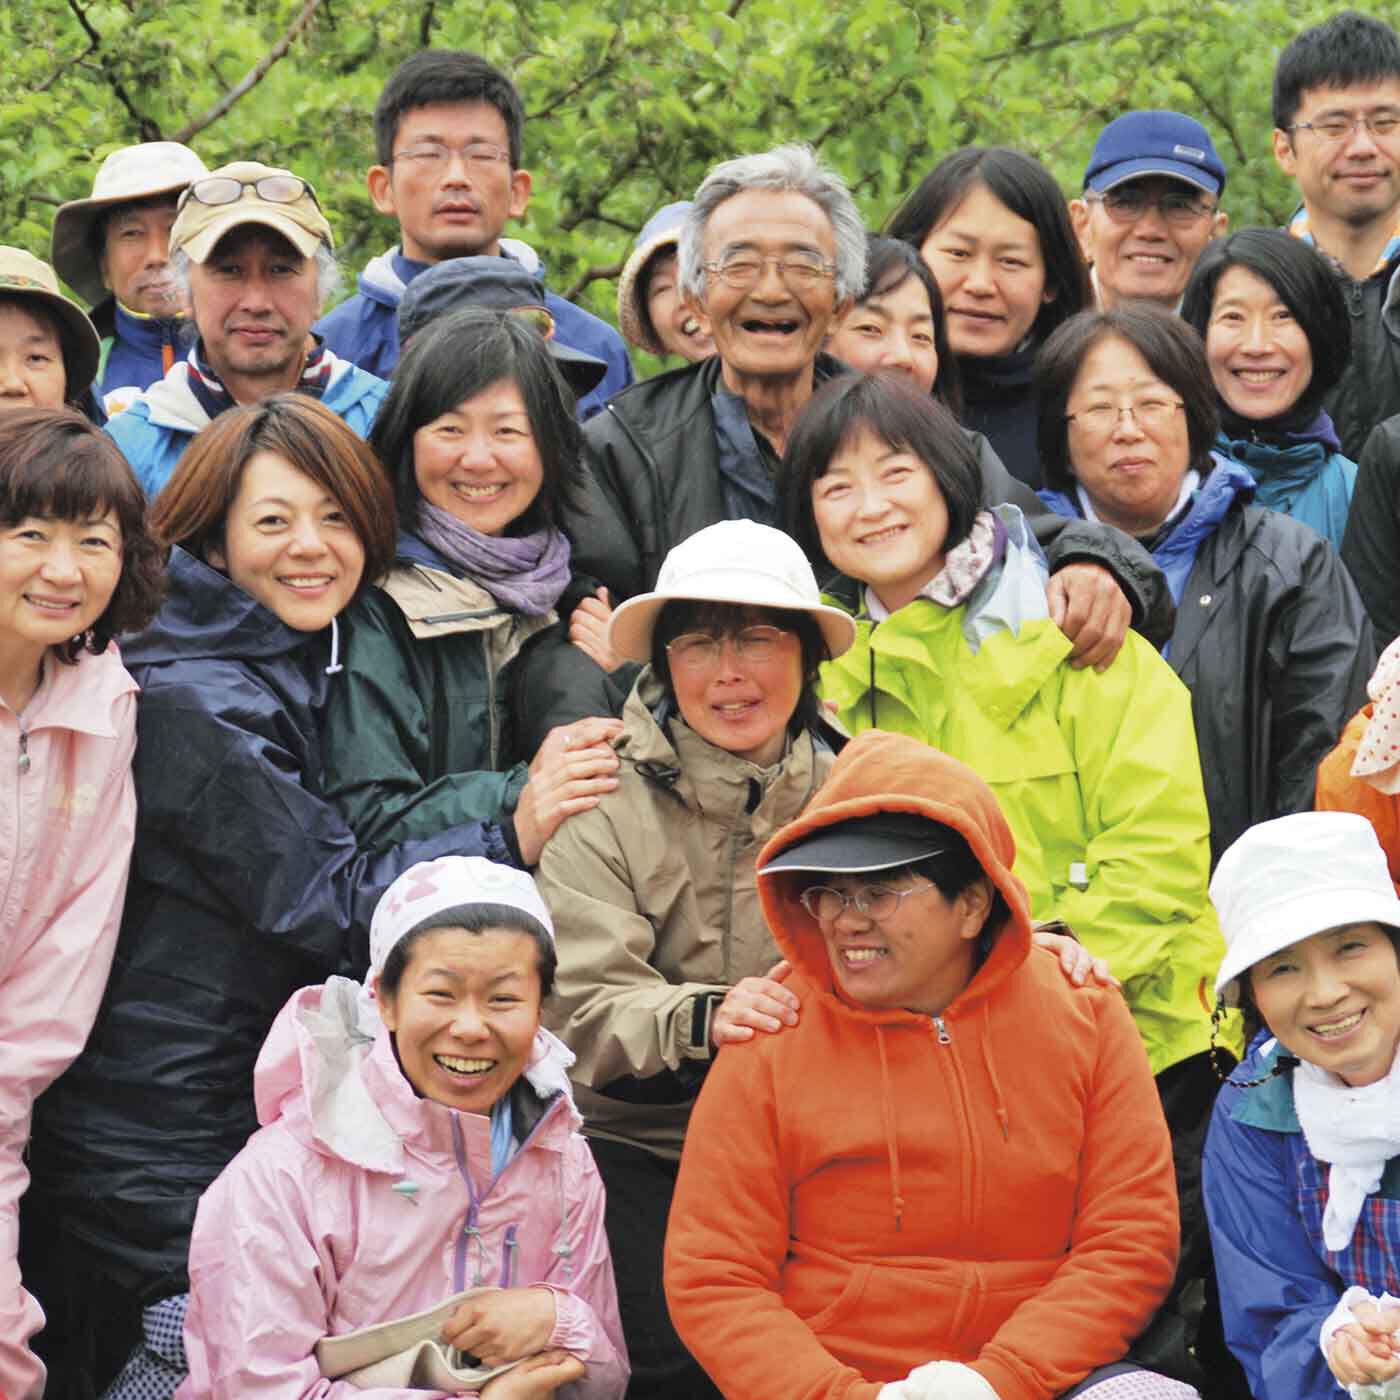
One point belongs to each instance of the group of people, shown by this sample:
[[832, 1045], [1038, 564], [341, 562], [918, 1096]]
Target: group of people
[[522, 883]]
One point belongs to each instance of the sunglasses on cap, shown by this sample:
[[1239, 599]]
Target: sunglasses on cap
[[271, 189]]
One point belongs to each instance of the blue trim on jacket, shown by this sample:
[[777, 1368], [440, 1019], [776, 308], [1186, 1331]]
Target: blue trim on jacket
[[365, 329], [1307, 480]]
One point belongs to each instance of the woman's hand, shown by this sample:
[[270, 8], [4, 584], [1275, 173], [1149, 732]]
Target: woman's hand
[[1087, 605], [536, 1378], [1076, 961], [756, 1003], [588, 630], [502, 1325], [1366, 1351], [574, 766]]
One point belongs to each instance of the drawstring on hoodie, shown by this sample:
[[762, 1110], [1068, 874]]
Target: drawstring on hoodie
[[335, 665], [1002, 1116], [891, 1140]]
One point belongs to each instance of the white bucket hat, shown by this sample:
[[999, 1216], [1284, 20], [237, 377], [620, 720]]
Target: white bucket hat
[[132, 173], [1290, 878], [735, 561]]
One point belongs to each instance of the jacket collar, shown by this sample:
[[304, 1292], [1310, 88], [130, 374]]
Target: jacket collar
[[79, 697], [1268, 1105]]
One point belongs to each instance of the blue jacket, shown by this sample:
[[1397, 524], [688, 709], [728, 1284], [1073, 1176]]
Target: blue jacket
[[134, 351], [1265, 1194], [1309, 480], [156, 429], [365, 329], [246, 883]]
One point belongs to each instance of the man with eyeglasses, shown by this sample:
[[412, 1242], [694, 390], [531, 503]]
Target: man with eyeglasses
[[254, 254], [1150, 205], [449, 128], [772, 252]]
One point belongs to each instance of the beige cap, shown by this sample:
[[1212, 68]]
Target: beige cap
[[132, 173], [199, 226], [22, 274]]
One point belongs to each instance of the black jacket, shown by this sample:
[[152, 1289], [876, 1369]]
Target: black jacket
[[656, 480], [1369, 389], [1274, 645], [245, 885], [1371, 545]]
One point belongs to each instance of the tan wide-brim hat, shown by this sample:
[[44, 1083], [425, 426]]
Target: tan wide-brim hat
[[127, 175], [661, 233], [24, 275], [199, 227], [735, 561]]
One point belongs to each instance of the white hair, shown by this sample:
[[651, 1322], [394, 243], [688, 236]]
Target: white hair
[[328, 275], [792, 167]]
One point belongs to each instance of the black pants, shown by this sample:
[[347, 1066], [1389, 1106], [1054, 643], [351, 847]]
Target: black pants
[[640, 1187]]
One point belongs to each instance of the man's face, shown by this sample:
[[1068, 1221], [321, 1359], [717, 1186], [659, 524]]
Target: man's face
[[254, 299], [776, 326], [446, 186], [1353, 178], [136, 257], [1148, 255]]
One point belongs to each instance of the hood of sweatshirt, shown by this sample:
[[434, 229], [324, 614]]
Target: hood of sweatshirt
[[881, 772]]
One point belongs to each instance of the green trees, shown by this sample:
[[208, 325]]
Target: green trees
[[630, 103]]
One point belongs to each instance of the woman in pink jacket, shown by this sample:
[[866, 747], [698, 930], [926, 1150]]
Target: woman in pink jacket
[[418, 1140], [76, 568]]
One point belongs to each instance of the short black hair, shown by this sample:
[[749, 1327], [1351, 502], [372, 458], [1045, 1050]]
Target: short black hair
[[1174, 353], [724, 619], [54, 463], [1029, 191], [472, 918], [1303, 282], [889, 264], [1348, 50], [446, 75], [892, 408], [454, 359]]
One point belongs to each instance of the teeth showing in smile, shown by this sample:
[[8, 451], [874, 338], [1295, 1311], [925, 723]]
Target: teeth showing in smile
[[1259, 376], [782, 327], [690, 326], [882, 536], [459, 1066], [49, 604], [862, 955], [1330, 1029], [478, 493], [307, 580]]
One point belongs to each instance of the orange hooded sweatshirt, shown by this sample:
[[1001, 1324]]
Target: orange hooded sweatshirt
[[874, 1189]]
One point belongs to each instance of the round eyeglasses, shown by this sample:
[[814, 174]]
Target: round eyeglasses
[[877, 902], [700, 651], [224, 189]]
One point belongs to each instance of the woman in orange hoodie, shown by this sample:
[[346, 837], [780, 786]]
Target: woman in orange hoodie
[[951, 1178]]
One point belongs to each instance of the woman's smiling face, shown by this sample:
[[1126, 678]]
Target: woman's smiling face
[[1334, 1000]]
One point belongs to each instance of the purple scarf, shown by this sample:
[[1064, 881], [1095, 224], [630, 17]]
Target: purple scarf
[[525, 573]]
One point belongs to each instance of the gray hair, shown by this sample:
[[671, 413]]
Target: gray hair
[[793, 167], [328, 276]]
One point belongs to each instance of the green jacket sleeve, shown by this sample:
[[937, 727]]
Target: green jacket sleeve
[[382, 761]]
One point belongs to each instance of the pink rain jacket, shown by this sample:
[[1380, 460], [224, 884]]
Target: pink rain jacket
[[67, 821], [358, 1202]]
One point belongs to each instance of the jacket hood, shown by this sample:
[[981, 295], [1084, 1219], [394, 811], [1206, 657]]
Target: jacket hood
[[379, 282], [328, 1070], [880, 772], [207, 615]]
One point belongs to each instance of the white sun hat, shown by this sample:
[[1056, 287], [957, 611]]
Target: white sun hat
[[132, 173], [735, 561], [1290, 878]]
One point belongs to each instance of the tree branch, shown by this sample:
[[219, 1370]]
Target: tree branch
[[146, 128], [68, 63], [1108, 31], [578, 85], [594, 274], [1222, 122], [425, 24], [253, 77], [593, 207]]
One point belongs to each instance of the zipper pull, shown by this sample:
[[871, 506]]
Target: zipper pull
[[943, 1037], [23, 751]]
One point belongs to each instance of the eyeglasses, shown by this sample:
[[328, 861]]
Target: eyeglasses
[[1101, 419], [1126, 205], [1330, 130], [700, 651], [434, 155], [874, 901], [224, 189], [800, 271]]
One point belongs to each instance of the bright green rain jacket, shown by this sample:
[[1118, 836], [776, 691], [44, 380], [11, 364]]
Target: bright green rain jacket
[[1097, 773]]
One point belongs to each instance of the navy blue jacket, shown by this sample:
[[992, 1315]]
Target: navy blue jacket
[[134, 350], [365, 329], [246, 884]]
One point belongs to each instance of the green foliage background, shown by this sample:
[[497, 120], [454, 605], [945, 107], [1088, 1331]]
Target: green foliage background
[[630, 102]]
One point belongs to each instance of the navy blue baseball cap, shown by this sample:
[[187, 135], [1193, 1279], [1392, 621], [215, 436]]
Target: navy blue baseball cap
[[1155, 143]]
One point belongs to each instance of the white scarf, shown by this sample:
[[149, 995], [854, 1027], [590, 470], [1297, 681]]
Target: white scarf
[[1357, 1131], [1189, 483]]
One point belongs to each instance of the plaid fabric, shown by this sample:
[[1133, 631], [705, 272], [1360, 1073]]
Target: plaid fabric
[[1300, 227], [157, 1363], [1372, 1259], [213, 398]]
